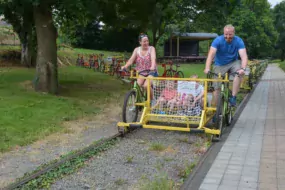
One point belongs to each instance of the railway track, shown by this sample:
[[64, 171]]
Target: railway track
[[54, 165], [49, 167]]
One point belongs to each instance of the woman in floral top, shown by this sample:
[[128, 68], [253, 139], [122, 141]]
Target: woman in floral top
[[145, 59]]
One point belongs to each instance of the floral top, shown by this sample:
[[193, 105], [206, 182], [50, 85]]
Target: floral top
[[143, 62]]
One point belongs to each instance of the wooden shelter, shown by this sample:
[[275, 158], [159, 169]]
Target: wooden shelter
[[185, 46]]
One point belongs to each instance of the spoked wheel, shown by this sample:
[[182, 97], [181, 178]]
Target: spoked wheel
[[130, 110], [250, 81], [219, 116], [229, 114], [168, 73], [96, 66], [179, 74]]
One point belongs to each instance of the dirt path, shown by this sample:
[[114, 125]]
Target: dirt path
[[78, 134]]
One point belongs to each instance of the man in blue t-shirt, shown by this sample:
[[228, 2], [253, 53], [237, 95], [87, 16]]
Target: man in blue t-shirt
[[225, 49]]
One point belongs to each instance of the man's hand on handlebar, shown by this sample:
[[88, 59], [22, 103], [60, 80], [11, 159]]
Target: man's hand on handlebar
[[206, 71], [241, 72]]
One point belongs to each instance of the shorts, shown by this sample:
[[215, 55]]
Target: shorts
[[154, 74], [230, 68]]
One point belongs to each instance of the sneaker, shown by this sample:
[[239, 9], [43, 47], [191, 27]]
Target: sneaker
[[233, 101], [214, 119]]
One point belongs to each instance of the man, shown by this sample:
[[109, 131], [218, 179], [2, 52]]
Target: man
[[225, 50]]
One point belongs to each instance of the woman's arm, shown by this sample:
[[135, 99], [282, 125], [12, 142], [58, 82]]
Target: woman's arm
[[153, 58]]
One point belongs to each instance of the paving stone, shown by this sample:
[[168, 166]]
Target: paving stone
[[227, 187], [206, 186], [255, 150]]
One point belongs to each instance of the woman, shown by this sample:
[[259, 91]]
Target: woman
[[145, 58]]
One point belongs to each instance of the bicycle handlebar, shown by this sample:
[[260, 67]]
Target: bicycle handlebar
[[223, 76], [146, 70]]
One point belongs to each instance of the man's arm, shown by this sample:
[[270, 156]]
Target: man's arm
[[210, 58], [243, 56]]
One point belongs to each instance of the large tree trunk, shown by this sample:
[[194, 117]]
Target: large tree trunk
[[28, 46], [46, 69], [26, 57], [154, 39]]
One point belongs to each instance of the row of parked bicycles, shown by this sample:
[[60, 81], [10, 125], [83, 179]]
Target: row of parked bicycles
[[111, 65], [254, 71]]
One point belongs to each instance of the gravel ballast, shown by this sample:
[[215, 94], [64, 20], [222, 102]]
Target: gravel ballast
[[139, 157]]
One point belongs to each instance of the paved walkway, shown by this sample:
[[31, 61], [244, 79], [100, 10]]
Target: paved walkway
[[253, 156]]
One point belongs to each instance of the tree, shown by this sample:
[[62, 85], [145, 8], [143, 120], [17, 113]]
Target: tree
[[279, 20], [211, 16], [22, 21], [254, 23], [41, 13]]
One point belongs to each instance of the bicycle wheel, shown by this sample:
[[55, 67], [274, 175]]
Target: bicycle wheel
[[250, 81], [169, 73], [129, 108], [119, 73], [112, 70], [228, 109], [96, 66], [229, 114], [102, 68], [219, 115], [179, 74]]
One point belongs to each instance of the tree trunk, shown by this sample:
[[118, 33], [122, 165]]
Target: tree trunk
[[28, 53], [25, 57], [282, 54], [154, 39], [46, 65]]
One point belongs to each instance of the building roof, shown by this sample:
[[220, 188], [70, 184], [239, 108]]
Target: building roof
[[195, 36]]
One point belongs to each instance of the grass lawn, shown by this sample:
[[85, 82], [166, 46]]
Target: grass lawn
[[188, 69], [282, 65], [28, 116]]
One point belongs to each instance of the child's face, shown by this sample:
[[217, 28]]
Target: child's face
[[170, 84]]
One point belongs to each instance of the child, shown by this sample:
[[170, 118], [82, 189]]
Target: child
[[194, 101], [168, 96]]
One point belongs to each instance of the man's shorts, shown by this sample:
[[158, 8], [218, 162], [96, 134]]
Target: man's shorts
[[230, 68]]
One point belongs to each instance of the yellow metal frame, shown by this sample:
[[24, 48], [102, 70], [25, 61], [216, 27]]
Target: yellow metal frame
[[206, 115]]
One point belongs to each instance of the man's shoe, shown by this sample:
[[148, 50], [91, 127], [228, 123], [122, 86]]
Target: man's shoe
[[233, 101]]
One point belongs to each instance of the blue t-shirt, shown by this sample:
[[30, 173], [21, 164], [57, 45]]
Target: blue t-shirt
[[227, 52]]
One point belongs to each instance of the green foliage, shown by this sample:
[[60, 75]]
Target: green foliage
[[159, 183], [67, 168], [279, 20], [30, 116], [254, 24], [211, 16], [157, 147], [282, 65]]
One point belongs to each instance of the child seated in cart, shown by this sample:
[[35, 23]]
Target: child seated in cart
[[168, 97], [191, 101]]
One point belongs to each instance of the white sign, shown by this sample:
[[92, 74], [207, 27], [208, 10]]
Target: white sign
[[109, 60], [186, 87]]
